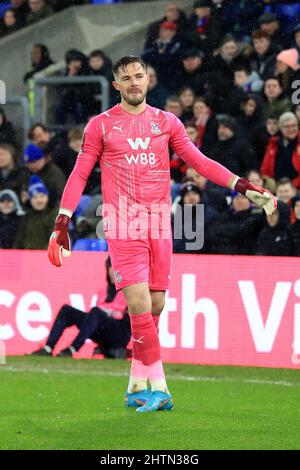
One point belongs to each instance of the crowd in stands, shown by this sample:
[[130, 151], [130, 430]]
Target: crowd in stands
[[229, 72]]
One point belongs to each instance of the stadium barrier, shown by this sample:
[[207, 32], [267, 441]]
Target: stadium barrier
[[230, 310]]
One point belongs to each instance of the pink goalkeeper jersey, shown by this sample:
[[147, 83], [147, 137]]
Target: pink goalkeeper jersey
[[133, 152]]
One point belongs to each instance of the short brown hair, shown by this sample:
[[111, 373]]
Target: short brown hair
[[126, 60], [260, 34], [75, 134], [283, 181]]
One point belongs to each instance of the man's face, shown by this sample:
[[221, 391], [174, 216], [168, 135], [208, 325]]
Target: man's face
[[172, 12], [40, 136], [290, 130], [36, 5], [261, 45], [7, 207], [240, 77], [272, 89], [255, 178], [6, 159], [192, 133], [174, 107], [224, 132], [75, 145], [240, 203], [132, 83], [230, 49], [36, 166], [285, 192], [200, 109], [272, 126], [192, 198], [39, 201], [273, 219], [96, 62], [166, 34], [202, 12], [9, 18], [297, 38], [297, 210], [270, 28], [191, 64]]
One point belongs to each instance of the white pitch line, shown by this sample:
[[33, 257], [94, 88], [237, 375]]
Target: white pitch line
[[187, 378]]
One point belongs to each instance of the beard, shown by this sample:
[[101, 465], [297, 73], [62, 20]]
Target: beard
[[134, 100]]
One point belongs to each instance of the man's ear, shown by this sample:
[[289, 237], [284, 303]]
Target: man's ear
[[115, 85]]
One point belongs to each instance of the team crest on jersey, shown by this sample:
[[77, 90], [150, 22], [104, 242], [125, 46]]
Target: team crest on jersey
[[118, 277], [155, 128]]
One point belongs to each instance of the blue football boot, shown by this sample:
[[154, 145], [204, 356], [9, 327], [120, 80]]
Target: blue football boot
[[158, 401], [137, 399]]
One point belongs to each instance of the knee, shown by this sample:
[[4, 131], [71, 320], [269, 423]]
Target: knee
[[139, 305], [158, 306]]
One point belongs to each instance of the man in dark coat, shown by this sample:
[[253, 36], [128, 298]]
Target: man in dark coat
[[10, 216], [275, 239], [295, 227]]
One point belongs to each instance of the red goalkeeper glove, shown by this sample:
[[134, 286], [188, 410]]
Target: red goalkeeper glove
[[59, 243], [260, 196]]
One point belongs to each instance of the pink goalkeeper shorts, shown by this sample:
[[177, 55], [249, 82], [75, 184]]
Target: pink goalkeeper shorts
[[141, 260]]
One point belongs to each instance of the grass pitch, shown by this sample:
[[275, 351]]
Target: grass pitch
[[59, 403]]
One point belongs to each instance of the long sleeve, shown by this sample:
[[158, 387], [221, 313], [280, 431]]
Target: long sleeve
[[187, 151], [89, 155]]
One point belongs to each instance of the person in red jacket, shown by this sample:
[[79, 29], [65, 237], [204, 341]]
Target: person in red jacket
[[282, 157]]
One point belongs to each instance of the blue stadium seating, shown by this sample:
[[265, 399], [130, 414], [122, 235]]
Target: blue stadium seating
[[84, 203], [90, 244]]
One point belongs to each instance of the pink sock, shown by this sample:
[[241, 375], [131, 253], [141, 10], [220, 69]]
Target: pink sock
[[156, 321], [145, 340]]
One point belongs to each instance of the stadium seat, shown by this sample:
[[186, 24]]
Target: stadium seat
[[3, 8], [90, 244], [107, 2]]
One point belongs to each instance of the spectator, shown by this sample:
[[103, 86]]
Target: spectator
[[87, 222], [275, 102], [275, 238], [269, 23], [295, 227], [7, 131], [296, 43], [173, 105], [222, 71], [205, 28], [286, 69], [165, 56], [12, 175], [38, 11], [247, 80], [194, 72], [38, 163], [56, 145], [107, 324], [282, 158], [74, 100], [93, 185], [10, 23], [250, 120], [231, 150], [212, 194], [36, 227], [263, 181], [172, 14], [271, 128], [264, 55], [187, 99], [22, 9], [10, 216], [235, 231], [40, 60], [205, 123], [157, 94], [177, 166], [100, 65], [285, 191]]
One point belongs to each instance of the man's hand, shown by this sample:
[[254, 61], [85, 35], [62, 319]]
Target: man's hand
[[59, 243], [260, 196]]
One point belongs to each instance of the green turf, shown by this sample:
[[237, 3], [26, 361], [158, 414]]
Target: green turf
[[59, 403]]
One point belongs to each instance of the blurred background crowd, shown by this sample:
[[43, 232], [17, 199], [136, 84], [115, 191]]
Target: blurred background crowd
[[229, 72]]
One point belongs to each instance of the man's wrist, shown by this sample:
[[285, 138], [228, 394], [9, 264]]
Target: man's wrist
[[66, 212]]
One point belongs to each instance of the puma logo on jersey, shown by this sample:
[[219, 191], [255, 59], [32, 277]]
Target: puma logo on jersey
[[139, 143], [118, 128]]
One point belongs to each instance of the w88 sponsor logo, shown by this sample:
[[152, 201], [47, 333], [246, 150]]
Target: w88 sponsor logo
[[142, 158]]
